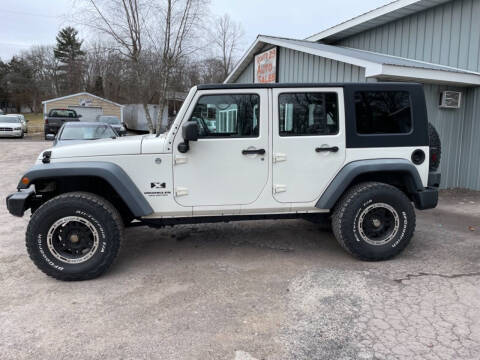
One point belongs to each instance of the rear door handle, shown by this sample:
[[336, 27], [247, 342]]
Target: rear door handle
[[331, 149], [253, 151]]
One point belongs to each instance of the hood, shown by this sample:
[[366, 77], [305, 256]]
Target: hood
[[154, 145], [71, 142], [10, 125], [127, 145]]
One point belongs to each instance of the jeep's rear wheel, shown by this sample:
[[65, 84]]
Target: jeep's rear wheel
[[74, 236], [374, 221]]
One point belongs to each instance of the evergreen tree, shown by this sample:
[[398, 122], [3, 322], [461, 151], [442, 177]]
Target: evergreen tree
[[20, 83], [69, 53]]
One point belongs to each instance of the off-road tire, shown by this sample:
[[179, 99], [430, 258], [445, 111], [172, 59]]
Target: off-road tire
[[96, 211], [351, 215], [435, 148]]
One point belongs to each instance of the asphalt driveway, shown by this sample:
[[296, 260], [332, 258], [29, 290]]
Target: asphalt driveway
[[249, 290]]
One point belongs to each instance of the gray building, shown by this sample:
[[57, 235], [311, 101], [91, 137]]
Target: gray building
[[434, 42]]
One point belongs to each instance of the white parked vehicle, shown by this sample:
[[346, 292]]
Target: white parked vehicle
[[23, 121], [358, 155], [11, 126]]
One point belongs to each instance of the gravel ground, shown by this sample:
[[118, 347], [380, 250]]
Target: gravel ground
[[249, 290]]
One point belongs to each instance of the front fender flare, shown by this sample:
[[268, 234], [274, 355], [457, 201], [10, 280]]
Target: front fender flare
[[349, 172], [110, 172]]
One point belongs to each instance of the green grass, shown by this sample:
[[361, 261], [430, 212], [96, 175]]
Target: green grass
[[35, 122]]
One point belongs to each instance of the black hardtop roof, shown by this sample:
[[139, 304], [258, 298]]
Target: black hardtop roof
[[376, 85]]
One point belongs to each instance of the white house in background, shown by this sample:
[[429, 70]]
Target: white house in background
[[85, 104]]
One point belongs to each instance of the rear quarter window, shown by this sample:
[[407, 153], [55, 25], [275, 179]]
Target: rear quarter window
[[383, 112]]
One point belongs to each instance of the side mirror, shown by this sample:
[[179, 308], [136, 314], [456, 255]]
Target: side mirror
[[50, 137], [190, 131]]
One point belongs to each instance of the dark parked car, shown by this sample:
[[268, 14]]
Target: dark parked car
[[57, 117], [80, 132], [115, 122]]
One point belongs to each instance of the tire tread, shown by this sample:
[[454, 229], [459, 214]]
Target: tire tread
[[342, 205], [96, 201]]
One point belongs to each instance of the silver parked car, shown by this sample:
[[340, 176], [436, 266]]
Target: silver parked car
[[22, 120], [10, 126], [79, 132], [115, 122]]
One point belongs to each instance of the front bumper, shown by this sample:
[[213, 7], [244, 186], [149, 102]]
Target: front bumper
[[13, 133], [18, 202]]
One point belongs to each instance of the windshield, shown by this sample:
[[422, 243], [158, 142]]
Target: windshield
[[87, 132], [112, 120], [62, 113], [9, 119]]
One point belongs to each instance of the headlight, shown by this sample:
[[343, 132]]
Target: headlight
[[122, 128], [17, 128]]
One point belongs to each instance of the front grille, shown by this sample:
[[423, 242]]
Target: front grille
[[5, 129]]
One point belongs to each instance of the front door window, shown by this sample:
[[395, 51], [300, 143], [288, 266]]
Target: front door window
[[227, 115]]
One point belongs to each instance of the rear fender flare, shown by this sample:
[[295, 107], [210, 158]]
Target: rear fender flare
[[350, 171]]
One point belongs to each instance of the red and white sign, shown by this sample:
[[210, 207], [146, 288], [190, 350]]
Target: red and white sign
[[266, 67]]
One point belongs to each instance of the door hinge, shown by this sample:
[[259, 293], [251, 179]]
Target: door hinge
[[279, 188], [277, 157], [180, 160], [181, 191]]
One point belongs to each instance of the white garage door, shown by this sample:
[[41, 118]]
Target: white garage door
[[88, 113]]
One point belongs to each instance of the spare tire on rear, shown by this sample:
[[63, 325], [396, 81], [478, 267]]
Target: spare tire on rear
[[435, 148]]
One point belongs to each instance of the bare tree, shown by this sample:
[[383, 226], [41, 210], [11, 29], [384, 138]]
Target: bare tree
[[149, 32], [45, 67], [227, 36], [124, 21], [178, 21]]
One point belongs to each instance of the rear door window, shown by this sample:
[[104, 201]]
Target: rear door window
[[383, 112], [307, 114]]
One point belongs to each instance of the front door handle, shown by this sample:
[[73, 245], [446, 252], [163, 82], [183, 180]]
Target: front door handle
[[331, 149], [253, 151]]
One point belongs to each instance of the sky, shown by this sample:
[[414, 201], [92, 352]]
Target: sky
[[36, 22]]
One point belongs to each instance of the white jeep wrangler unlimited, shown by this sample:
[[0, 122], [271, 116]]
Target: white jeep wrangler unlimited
[[357, 154]]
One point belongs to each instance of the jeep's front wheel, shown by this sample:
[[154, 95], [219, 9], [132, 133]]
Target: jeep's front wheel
[[374, 221], [74, 236]]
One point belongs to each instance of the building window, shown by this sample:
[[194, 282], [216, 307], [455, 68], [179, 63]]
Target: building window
[[227, 115], [383, 112], [304, 114]]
